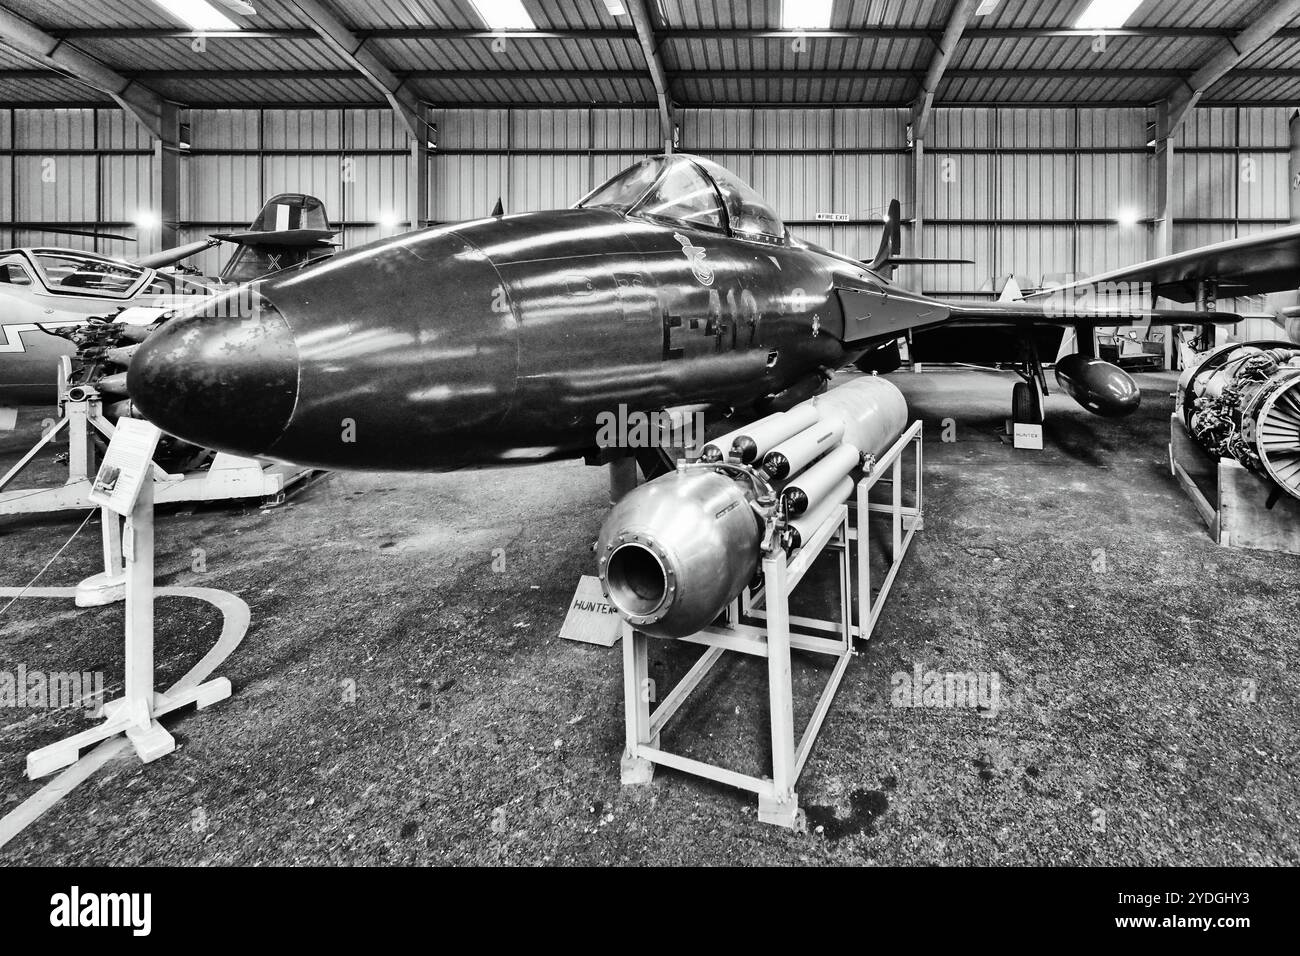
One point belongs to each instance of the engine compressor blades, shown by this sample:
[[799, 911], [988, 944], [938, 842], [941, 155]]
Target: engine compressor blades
[[1243, 401]]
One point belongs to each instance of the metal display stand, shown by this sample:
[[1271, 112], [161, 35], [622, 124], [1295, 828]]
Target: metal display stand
[[136, 713], [227, 477], [759, 623]]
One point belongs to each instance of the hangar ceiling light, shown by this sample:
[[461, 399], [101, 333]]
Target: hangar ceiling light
[[198, 14], [1106, 14], [805, 14], [504, 14], [986, 7], [616, 8]]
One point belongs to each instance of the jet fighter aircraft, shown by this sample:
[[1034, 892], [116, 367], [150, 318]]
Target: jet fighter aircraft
[[501, 340]]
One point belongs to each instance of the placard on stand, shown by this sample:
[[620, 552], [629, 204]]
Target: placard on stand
[[124, 487]]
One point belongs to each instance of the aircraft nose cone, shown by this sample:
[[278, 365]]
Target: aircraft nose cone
[[228, 382]]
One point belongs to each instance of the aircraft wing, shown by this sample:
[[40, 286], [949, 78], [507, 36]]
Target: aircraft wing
[[174, 255], [875, 314], [1250, 265]]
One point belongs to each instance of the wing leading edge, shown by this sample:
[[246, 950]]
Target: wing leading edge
[[873, 315], [1250, 265]]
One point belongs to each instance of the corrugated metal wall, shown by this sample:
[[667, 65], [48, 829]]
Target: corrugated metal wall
[[354, 160], [87, 169], [71, 167], [1031, 192], [1034, 192]]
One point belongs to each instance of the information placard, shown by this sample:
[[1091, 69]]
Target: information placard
[[591, 618], [1027, 436], [127, 465]]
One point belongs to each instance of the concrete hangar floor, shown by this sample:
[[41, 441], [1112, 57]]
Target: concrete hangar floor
[[1148, 706]]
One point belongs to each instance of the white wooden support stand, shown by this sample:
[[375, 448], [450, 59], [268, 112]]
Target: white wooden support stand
[[1236, 511], [136, 713]]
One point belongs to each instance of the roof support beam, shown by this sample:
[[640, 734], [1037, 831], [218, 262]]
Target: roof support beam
[[348, 46], [658, 76], [962, 12], [676, 33], [799, 74], [140, 102], [1185, 95]]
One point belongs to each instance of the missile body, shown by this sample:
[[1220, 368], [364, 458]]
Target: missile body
[[802, 450], [673, 553], [804, 525], [814, 484]]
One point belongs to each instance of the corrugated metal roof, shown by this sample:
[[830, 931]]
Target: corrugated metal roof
[[1079, 53], [835, 53], [1232, 14], [860, 92], [540, 90], [1257, 89], [546, 69], [53, 91], [76, 14], [300, 89], [219, 54], [477, 54]]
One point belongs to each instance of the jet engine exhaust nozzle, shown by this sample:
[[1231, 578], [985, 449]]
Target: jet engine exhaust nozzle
[[674, 552]]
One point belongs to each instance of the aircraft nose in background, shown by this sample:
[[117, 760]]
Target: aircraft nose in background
[[228, 382]]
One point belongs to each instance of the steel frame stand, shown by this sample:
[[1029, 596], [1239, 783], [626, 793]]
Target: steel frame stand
[[136, 713], [773, 635]]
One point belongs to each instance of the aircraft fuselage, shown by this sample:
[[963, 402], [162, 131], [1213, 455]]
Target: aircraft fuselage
[[496, 341]]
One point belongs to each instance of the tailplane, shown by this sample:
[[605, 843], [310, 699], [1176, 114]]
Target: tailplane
[[887, 256]]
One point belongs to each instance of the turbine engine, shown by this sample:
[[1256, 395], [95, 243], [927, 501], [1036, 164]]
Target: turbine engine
[[1243, 401]]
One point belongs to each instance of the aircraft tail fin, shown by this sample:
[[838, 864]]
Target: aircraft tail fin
[[887, 256], [289, 230], [891, 240], [290, 211]]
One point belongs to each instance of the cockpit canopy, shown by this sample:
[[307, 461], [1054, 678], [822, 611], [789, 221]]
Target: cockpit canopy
[[690, 191], [68, 272]]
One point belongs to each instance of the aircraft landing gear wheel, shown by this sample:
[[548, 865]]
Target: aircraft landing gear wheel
[[1026, 404]]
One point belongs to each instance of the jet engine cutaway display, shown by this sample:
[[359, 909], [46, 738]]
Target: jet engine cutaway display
[[673, 553], [1243, 401]]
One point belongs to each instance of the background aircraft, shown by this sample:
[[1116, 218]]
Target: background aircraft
[[62, 288], [502, 340], [1250, 265]]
